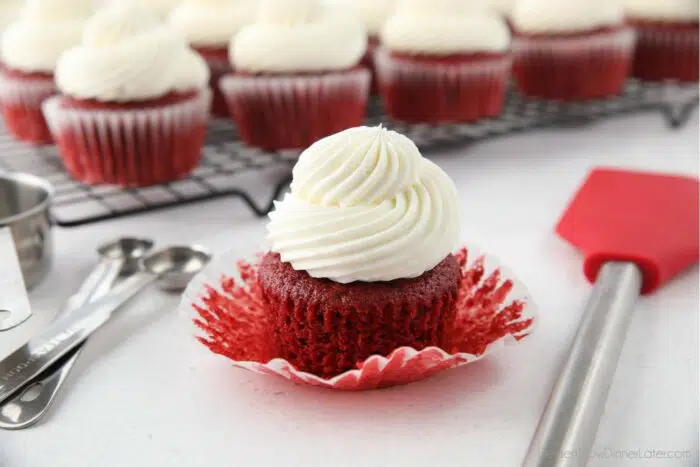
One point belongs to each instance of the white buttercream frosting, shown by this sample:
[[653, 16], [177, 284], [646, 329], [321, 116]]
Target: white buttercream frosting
[[127, 54], [43, 31], [299, 36], [664, 10], [366, 206], [503, 7], [9, 12], [374, 13], [443, 27], [212, 23], [160, 7], [556, 16]]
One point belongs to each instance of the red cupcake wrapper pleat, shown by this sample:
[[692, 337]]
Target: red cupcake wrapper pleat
[[21, 100], [573, 68], [666, 54], [416, 92], [293, 112], [130, 147], [232, 320]]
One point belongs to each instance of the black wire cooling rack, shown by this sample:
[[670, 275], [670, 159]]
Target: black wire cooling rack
[[229, 169]]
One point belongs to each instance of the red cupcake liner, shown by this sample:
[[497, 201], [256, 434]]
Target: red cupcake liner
[[129, 147], [21, 98], [666, 51], [441, 90], [294, 111], [230, 318], [573, 68], [219, 66]]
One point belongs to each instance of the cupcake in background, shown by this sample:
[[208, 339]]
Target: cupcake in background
[[374, 13], [443, 61], [29, 51], [134, 104], [9, 12], [297, 74], [361, 258], [503, 7], [571, 51], [162, 8], [208, 26], [667, 39]]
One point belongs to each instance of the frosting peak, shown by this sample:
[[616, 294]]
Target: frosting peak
[[673, 10], [44, 30], [212, 23], [365, 206], [555, 16], [127, 55], [299, 36], [444, 27]]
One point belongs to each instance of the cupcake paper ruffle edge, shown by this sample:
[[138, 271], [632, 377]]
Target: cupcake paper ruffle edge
[[225, 309]]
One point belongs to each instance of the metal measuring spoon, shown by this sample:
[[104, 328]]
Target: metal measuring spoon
[[172, 269], [117, 258]]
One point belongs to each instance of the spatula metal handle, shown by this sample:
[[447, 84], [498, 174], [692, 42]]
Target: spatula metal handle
[[567, 429]]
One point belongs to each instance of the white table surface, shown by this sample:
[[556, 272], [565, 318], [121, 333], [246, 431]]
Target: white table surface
[[145, 394]]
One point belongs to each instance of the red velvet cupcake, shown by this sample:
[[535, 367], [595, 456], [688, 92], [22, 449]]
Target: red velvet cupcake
[[126, 118], [209, 27], [30, 48], [667, 39], [443, 63], [570, 51], [297, 76], [361, 259]]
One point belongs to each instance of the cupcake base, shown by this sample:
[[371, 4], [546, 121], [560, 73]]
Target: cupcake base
[[576, 67], [226, 305], [666, 51], [21, 96], [425, 89], [325, 328], [294, 111], [130, 144], [219, 66]]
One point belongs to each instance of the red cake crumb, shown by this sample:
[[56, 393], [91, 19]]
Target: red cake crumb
[[93, 104], [324, 327]]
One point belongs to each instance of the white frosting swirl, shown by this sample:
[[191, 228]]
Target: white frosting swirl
[[299, 36], [9, 12], [503, 7], [374, 13], [444, 27], [366, 206], [44, 30], [556, 16], [128, 55], [664, 10], [207, 23], [162, 8]]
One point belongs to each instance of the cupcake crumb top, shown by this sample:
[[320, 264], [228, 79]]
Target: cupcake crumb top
[[126, 55]]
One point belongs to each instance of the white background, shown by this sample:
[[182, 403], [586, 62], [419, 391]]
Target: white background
[[145, 394]]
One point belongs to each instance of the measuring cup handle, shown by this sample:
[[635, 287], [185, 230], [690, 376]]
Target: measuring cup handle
[[64, 335], [567, 429]]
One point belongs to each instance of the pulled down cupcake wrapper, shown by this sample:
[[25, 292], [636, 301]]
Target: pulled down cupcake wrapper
[[130, 147], [21, 100], [294, 111], [576, 68], [666, 53], [226, 307], [467, 90]]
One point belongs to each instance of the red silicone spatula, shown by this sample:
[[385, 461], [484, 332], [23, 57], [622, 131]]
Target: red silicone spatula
[[636, 231]]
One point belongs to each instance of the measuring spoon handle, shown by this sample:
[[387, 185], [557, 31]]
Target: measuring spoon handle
[[64, 335], [21, 410]]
